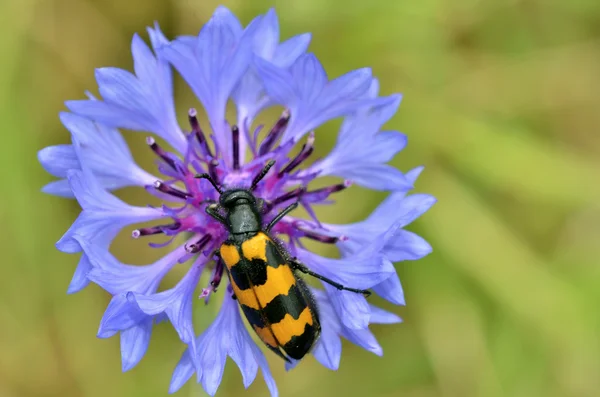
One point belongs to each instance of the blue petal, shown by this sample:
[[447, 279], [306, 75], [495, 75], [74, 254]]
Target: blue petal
[[102, 149], [264, 367], [313, 78], [380, 316], [366, 240], [351, 307], [135, 326], [57, 160], [213, 365], [361, 150], [404, 207], [266, 35], [337, 98], [352, 150], [158, 40], [103, 214], [373, 176], [266, 42], [328, 350], [391, 290], [120, 315], [396, 210], [182, 373], [312, 100], [59, 188], [126, 278], [381, 111], [80, 279], [250, 98], [289, 365], [363, 338], [407, 246], [278, 82], [134, 343], [116, 84], [116, 277], [226, 336], [396, 244], [249, 95], [213, 65], [176, 303], [139, 102], [361, 271], [123, 312], [413, 174], [290, 50], [380, 148]]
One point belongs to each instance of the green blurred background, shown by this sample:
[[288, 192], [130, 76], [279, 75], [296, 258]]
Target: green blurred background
[[501, 104]]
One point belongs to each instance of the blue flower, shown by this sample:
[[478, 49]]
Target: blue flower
[[249, 66]]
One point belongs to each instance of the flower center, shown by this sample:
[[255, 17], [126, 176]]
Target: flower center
[[190, 196]]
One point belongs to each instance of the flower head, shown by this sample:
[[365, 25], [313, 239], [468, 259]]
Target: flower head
[[251, 67]]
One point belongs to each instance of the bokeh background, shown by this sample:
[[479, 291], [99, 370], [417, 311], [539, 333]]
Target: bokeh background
[[502, 106]]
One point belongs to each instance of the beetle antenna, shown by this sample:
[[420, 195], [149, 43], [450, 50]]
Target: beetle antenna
[[262, 174], [211, 180]]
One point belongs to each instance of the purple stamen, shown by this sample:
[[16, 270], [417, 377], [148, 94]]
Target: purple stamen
[[212, 170], [236, 147], [192, 117], [148, 231], [319, 237], [218, 275], [196, 247], [158, 185], [305, 152], [253, 138], [326, 191], [214, 283], [275, 133], [292, 194], [160, 152]]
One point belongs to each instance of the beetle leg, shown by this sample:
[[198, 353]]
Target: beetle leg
[[280, 216], [216, 253], [296, 265]]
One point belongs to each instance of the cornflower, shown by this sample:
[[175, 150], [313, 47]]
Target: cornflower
[[251, 67]]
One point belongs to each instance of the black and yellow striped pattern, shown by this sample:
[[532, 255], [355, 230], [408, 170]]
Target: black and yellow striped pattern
[[276, 303]]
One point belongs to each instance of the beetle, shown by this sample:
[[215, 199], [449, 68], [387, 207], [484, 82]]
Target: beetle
[[263, 275]]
